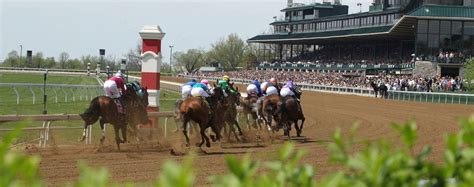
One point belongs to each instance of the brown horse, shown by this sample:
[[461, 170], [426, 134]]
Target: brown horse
[[230, 114], [105, 108], [271, 110], [195, 109]]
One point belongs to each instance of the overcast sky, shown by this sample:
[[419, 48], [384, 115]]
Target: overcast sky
[[82, 27]]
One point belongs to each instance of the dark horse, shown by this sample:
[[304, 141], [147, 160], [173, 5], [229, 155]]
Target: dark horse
[[195, 109], [105, 108], [142, 93], [291, 112], [230, 113], [382, 89]]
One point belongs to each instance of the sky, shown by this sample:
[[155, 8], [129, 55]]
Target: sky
[[82, 27]]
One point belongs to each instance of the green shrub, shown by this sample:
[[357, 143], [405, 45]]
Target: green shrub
[[377, 163]]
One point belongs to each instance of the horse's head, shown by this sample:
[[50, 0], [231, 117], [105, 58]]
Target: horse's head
[[218, 93], [144, 96], [136, 108]]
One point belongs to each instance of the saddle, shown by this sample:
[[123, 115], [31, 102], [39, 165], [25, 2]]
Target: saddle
[[204, 100], [120, 107]]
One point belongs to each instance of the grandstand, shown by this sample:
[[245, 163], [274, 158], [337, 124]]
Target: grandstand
[[420, 37]]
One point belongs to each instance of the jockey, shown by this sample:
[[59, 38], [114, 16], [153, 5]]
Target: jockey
[[289, 89], [263, 87], [206, 83], [201, 90], [186, 88], [252, 90], [259, 89], [225, 85], [114, 87]]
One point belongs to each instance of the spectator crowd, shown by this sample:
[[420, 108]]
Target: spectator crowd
[[393, 82]]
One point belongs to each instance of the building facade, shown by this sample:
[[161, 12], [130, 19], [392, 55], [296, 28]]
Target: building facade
[[391, 32]]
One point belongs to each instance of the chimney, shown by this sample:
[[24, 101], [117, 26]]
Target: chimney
[[290, 3]]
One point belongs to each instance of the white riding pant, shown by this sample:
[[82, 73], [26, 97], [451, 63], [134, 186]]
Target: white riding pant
[[111, 89], [196, 92], [272, 90], [186, 91], [252, 89], [286, 91]]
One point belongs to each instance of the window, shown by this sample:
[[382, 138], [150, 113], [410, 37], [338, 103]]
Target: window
[[445, 27], [422, 26], [433, 27], [469, 28], [433, 40], [456, 27]]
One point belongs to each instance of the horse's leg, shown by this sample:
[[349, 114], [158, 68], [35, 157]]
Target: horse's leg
[[123, 127], [185, 132], [102, 127], [287, 130], [84, 132], [117, 137], [204, 136], [238, 127], [300, 129]]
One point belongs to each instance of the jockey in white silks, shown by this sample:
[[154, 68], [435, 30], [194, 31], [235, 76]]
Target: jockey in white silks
[[288, 89], [252, 89], [186, 88], [113, 84]]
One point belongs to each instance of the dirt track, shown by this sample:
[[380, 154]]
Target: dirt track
[[324, 112]]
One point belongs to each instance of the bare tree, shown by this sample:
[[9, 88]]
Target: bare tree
[[63, 59]]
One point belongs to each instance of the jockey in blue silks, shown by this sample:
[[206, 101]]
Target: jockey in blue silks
[[186, 88], [257, 84]]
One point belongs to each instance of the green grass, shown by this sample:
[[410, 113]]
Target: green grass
[[52, 79], [168, 99]]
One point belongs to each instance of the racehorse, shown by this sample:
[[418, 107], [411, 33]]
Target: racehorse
[[195, 109], [105, 108], [291, 112], [383, 90], [375, 87], [271, 107], [248, 108], [142, 93], [230, 113]]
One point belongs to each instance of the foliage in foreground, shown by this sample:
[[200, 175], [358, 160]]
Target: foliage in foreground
[[377, 163]]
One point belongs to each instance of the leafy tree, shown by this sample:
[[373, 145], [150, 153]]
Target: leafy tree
[[191, 60], [229, 52], [12, 59], [37, 60]]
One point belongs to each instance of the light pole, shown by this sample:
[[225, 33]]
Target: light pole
[[360, 6], [21, 51], [171, 57]]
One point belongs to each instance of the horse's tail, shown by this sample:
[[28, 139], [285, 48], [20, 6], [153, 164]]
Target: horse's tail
[[91, 114]]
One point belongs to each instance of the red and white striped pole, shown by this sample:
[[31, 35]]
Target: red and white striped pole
[[151, 64]]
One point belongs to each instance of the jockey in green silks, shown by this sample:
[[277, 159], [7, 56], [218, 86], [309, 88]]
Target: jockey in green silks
[[225, 85]]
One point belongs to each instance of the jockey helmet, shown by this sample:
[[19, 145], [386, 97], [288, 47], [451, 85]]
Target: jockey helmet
[[273, 80], [205, 81], [226, 78], [119, 74]]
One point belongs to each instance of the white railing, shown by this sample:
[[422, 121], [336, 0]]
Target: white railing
[[70, 93]]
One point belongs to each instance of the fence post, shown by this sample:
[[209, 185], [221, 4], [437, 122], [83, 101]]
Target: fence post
[[65, 95], [17, 95], [55, 94], [32, 93], [73, 96]]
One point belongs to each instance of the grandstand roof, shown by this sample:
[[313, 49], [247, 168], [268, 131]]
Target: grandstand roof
[[402, 29]]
